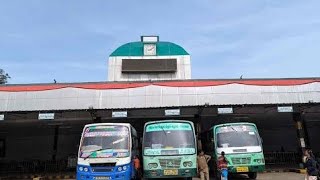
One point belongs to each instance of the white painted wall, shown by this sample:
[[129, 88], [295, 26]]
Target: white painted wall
[[115, 67]]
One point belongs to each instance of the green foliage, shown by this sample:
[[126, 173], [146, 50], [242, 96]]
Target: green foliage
[[4, 77]]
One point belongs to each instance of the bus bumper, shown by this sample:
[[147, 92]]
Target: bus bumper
[[158, 173], [252, 168], [103, 173], [103, 176]]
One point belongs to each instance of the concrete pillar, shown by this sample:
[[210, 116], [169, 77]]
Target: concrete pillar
[[198, 125], [55, 142], [301, 135]]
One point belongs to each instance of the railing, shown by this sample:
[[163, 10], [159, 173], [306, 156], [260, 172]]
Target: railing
[[35, 167], [72, 162], [282, 158]]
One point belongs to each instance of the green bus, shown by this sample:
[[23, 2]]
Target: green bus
[[169, 149], [242, 146]]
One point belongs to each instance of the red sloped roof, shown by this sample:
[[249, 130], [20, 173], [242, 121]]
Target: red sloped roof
[[183, 83]]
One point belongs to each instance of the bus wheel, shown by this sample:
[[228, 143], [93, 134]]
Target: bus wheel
[[252, 175]]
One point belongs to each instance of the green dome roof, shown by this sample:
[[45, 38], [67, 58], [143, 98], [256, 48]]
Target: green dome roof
[[136, 49]]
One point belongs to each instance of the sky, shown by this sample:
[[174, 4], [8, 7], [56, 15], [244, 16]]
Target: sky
[[70, 41]]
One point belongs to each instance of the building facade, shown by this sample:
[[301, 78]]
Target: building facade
[[149, 59], [151, 80]]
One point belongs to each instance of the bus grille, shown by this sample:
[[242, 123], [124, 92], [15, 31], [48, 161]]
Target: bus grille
[[246, 160], [102, 167], [170, 163], [99, 169]]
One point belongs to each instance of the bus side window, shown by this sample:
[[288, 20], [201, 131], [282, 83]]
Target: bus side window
[[135, 143], [211, 141]]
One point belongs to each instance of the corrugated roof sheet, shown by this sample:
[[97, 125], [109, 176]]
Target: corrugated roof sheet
[[157, 94]]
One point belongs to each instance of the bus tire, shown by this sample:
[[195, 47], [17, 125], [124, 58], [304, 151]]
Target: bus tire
[[252, 175]]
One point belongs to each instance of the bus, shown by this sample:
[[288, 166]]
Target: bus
[[169, 149], [242, 146], [106, 151]]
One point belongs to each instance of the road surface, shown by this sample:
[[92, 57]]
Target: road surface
[[269, 176]]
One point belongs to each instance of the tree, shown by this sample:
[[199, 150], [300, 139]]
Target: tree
[[4, 77]]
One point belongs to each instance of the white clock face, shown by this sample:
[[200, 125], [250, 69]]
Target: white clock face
[[149, 49]]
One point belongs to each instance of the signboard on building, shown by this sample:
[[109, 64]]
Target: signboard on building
[[1, 117], [46, 116], [149, 39], [302, 142], [172, 112], [119, 114], [149, 65], [225, 110], [285, 109]]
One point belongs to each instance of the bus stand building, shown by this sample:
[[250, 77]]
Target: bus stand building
[[151, 80]]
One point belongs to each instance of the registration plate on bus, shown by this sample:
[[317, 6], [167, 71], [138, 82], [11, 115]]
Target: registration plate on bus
[[242, 169], [102, 178], [172, 172]]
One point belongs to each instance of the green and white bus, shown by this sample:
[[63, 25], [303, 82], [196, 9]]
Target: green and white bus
[[242, 146], [169, 149]]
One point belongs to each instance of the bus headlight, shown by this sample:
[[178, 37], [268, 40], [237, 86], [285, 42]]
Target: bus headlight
[[85, 169], [120, 168], [80, 168], [152, 165], [124, 168], [187, 163], [259, 161]]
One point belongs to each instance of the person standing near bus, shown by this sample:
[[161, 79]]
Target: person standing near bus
[[223, 166], [137, 166], [311, 166], [202, 163]]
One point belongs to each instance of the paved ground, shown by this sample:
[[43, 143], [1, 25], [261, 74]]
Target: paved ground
[[270, 176], [262, 176]]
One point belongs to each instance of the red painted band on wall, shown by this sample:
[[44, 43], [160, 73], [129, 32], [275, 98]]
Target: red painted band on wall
[[125, 85]]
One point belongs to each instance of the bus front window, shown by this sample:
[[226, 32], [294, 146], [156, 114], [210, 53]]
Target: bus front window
[[237, 137], [106, 141], [169, 139]]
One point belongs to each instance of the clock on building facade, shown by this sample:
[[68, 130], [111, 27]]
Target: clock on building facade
[[149, 49]]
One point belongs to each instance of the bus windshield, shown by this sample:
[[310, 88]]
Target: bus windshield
[[237, 136], [169, 139], [105, 141]]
